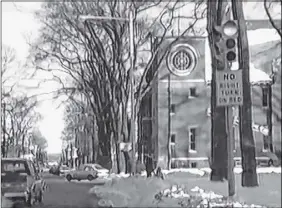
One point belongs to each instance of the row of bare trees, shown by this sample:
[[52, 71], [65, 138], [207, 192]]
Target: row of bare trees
[[91, 59], [18, 116]]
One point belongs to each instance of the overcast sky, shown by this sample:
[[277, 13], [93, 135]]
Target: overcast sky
[[18, 22]]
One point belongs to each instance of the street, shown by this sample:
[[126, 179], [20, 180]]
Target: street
[[61, 193]]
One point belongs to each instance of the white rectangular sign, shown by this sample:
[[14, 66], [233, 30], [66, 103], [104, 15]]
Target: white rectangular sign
[[126, 147], [229, 88]]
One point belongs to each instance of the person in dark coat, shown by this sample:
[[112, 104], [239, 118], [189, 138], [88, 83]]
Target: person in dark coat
[[149, 165]]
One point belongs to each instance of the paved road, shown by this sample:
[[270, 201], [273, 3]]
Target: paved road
[[63, 194]]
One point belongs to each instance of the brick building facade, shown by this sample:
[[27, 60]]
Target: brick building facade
[[175, 122]]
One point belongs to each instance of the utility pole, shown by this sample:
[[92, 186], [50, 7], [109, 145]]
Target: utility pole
[[132, 83], [269, 116], [247, 143], [169, 125], [215, 12], [229, 82]]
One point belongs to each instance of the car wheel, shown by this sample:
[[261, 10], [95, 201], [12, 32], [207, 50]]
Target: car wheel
[[90, 177], [69, 177], [270, 163]]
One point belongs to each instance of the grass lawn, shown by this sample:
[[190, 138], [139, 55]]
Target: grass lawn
[[268, 192]]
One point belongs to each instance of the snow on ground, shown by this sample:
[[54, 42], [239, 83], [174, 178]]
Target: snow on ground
[[237, 170], [139, 191]]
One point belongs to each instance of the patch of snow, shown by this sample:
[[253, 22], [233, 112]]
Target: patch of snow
[[269, 170], [139, 191], [207, 170], [192, 151], [204, 171], [185, 170]]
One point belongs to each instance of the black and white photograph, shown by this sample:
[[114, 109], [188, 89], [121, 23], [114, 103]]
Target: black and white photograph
[[158, 103]]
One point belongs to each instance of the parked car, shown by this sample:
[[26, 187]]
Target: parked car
[[86, 171], [18, 179], [263, 159]]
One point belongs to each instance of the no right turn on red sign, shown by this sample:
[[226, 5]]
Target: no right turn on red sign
[[229, 88]]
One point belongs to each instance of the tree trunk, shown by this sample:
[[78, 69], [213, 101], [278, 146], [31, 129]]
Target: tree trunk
[[269, 117], [218, 125], [126, 139], [23, 140], [93, 149], [104, 140], [247, 143], [117, 156], [4, 144]]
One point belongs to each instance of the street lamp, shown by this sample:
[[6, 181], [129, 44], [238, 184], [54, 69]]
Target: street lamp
[[130, 20]]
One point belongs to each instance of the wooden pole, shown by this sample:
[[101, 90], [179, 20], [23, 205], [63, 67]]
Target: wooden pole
[[230, 153], [169, 125], [132, 124], [247, 143], [269, 116]]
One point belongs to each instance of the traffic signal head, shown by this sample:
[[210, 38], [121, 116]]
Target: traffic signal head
[[230, 34]]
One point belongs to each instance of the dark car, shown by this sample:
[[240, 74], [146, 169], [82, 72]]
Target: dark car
[[18, 179], [55, 170]]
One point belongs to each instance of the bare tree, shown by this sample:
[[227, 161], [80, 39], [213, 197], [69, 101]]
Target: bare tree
[[95, 57], [20, 120], [268, 6]]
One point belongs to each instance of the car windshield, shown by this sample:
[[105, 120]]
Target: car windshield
[[14, 166]]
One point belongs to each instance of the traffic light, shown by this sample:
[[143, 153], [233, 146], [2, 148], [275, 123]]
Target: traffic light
[[230, 35]]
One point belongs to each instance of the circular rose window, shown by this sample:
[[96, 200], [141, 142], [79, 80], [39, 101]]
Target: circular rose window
[[182, 59]]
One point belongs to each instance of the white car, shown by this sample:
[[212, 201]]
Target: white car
[[87, 171]]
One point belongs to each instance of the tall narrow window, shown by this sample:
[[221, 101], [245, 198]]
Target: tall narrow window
[[172, 138], [264, 97], [192, 142], [193, 92], [172, 109], [193, 165]]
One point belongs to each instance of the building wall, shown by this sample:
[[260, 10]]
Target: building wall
[[189, 112], [186, 113], [192, 112]]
